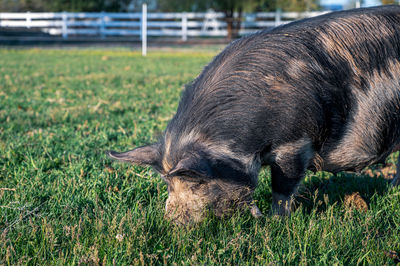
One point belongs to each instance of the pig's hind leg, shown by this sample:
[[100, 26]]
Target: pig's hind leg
[[288, 169], [396, 179]]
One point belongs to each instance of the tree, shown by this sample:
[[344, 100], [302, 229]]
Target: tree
[[183, 5], [233, 9], [63, 5], [298, 5], [21, 5], [228, 7], [388, 2]]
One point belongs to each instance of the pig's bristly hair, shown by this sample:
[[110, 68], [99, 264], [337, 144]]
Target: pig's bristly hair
[[309, 78]]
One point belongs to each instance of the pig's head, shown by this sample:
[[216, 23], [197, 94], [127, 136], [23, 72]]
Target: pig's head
[[197, 183]]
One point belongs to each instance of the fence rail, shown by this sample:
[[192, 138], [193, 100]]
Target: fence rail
[[182, 25]]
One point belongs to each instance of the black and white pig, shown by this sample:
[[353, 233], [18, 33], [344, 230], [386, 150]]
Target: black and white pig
[[320, 94]]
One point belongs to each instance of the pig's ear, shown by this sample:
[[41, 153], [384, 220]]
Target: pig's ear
[[192, 166], [145, 155]]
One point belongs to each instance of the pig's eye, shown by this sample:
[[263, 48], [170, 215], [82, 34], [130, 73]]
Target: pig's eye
[[197, 185]]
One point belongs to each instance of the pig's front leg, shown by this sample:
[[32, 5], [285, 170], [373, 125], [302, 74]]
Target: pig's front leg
[[291, 162], [396, 179]]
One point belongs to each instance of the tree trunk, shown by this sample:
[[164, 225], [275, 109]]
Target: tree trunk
[[233, 24], [229, 23], [237, 24]]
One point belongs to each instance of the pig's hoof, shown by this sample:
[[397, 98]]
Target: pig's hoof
[[282, 205], [396, 180], [280, 210]]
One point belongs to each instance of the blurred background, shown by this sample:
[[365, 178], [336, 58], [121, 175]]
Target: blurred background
[[159, 21], [180, 5]]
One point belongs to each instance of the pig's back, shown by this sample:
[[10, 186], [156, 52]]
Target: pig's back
[[333, 78]]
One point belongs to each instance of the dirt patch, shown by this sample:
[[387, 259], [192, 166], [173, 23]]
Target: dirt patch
[[395, 256], [387, 172], [355, 201]]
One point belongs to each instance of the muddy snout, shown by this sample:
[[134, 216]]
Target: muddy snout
[[189, 202], [183, 212]]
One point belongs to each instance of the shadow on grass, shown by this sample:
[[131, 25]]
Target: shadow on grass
[[323, 189]]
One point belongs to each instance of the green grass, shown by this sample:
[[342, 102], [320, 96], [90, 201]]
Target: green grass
[[63, 202]]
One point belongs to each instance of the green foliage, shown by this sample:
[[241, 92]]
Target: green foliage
[[230, 7], [22, 5], [217, 5], [63, 202], [63, 5], [389, 2], [227, 6], [298, 5], [183, 5]]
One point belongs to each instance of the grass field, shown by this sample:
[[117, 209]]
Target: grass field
[[63, 202]]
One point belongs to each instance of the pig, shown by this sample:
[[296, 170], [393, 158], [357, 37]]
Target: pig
[[320, 93]]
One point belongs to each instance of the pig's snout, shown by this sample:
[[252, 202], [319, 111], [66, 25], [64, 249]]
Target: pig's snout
[[183, 212], [189, 202]]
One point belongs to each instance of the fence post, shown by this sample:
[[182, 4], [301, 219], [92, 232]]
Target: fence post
[[64, 25], [102, 27], [28, 20], [184, 26], [278, 17], [144, 29]]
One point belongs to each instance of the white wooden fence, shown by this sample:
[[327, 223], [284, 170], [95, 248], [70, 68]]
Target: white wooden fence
[[181, 25]]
